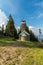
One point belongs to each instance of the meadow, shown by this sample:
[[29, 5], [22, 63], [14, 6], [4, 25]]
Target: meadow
[[14, 52]]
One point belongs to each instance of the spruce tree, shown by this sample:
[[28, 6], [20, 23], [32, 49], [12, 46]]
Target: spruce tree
[[10, 28]]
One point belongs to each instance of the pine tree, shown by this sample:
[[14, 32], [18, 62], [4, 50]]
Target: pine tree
[[10, 28], [32, 36]]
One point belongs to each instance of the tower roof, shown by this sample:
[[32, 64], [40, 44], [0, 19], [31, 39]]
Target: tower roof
[[23, 20]]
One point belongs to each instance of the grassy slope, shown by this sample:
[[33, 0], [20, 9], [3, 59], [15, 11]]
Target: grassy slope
[[20, 53]]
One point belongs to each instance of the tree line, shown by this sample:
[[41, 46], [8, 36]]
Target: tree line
[[11, 31]]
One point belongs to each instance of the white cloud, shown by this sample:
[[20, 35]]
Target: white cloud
[[34, 29], [40, 15], [39, 4], [3, 17], [31, 27]]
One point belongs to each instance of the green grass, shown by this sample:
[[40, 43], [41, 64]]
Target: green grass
[[20, 53], [12, 41]]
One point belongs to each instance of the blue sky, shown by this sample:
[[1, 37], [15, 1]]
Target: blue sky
[[30, 10]]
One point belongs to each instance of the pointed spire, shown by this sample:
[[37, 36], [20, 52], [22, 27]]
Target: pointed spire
[[23, 21]]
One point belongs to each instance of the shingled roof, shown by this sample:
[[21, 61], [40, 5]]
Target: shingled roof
[[24, 33]]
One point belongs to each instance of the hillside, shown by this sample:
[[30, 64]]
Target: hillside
[[20, 53]]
